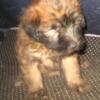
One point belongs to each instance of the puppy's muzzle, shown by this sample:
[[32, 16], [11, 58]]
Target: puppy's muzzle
[[68, 46]]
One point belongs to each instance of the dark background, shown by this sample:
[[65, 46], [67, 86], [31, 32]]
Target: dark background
[[12, 10], [92, 12]]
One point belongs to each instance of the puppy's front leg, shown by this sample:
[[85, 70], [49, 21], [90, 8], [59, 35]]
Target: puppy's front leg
[[32, 77], [72, 73]]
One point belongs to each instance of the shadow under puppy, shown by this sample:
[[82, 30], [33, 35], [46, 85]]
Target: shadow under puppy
[[50, 33]]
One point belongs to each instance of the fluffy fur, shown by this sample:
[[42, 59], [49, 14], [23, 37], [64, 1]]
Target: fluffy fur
[[50, 31]]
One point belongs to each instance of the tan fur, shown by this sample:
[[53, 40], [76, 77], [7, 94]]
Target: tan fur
[[35, 57], [72, 73]]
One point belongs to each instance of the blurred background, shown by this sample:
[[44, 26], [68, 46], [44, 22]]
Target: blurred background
[[10, 10]]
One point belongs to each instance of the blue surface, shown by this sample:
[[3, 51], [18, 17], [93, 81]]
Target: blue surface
[[92, 12], [12, 8]]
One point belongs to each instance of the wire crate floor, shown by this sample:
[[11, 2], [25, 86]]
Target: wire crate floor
[[12, 86]]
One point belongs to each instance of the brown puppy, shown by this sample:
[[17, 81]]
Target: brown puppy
[[50, 31]]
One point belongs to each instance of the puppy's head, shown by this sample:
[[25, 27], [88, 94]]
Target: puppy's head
[[58, 24]]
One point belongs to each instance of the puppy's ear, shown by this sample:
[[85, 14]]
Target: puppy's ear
[[30, 21]]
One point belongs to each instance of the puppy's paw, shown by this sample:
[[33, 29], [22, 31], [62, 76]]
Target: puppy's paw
[[79, 85], [39, 95]]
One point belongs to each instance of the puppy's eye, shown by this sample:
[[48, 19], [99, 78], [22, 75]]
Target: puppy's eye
[[56, 27]]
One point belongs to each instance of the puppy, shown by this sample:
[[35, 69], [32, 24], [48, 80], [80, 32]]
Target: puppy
[[50, 35]]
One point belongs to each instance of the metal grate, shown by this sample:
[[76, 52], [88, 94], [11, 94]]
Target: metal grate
[[13, 88]]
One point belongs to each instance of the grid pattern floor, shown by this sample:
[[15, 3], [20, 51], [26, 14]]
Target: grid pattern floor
[[13, 88]]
